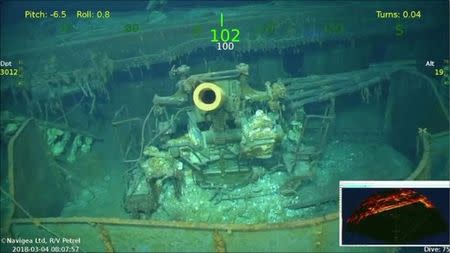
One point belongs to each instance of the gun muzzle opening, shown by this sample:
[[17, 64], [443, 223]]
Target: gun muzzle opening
[[208, 96]]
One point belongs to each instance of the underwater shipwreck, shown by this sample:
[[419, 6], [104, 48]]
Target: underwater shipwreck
[[150, 139]]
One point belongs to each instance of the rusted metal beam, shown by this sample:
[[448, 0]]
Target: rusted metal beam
[[180, 224], [422, 171], [11, 189]]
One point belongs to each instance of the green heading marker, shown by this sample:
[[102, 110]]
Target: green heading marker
[[225, 37]]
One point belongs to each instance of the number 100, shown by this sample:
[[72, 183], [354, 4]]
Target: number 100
[[225, 46], [225, 35]]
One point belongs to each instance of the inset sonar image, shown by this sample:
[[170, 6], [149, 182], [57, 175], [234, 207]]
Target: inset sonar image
[[395, 216]]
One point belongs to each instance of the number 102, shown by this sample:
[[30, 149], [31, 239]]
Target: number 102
[[225, 35]]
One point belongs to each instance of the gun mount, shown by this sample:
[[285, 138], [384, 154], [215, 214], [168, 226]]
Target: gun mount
[[228, 134], [227, 123]]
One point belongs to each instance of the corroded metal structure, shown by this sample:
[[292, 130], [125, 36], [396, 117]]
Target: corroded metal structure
[[223, 140], [61, 66], [62, 63], [107, 234]]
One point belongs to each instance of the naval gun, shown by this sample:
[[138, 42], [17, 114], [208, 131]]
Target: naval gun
[[223, 134], [228, 124], [220, 133]]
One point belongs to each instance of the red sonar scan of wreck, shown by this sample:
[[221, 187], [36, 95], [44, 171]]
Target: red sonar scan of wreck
[[397, 216], [386, 201]]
